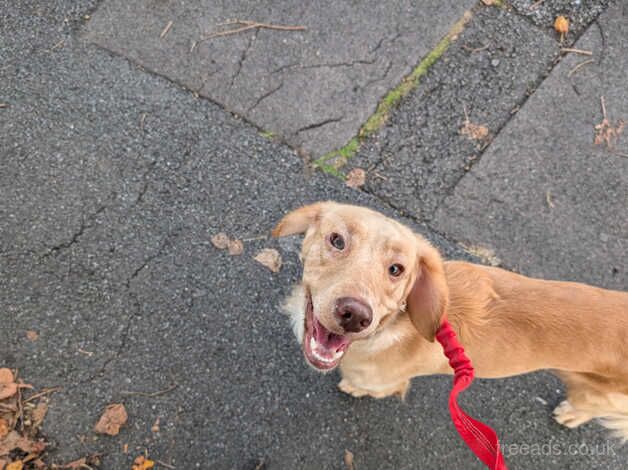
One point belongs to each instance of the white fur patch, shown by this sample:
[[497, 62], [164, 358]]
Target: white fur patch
[[294, 307]]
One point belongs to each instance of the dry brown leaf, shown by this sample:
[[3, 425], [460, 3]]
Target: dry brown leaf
[[14, 441], [561, 25], [474, 131], [220, 241], [38, 415], [17, 465], [4, 427], [82, 463], [142, 463], [356, 178], [235, 247], [605, 133], [6, 376], [7, 390], [349, 460], [32, 335], [270, 258], [112, 419], [155, 426]]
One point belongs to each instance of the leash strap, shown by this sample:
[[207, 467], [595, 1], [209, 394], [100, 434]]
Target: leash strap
[[480, 438]]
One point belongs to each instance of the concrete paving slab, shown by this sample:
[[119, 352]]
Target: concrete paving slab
[[314, 88], [548, 200], [420, 155]]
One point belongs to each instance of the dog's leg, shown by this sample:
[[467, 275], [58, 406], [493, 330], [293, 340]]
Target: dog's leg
[[400, 389], [569, 416]]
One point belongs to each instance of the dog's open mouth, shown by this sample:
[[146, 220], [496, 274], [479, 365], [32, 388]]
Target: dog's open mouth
[[323, 349]]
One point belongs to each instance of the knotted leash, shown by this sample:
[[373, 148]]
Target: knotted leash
[[480, 438]]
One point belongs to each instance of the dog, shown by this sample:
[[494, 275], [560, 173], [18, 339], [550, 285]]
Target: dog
[[374, 293]]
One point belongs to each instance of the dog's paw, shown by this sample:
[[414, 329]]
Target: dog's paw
[[346, 387], [569, 416]]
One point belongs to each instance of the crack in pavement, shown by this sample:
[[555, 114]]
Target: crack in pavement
[[75, 236], [242, 59], [264, 96], [316, 125]]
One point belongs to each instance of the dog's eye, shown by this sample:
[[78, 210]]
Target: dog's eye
[[395, 270], [337, 241]]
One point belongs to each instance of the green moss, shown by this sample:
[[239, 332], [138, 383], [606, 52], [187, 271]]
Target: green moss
[[336, 159], [268, 134]]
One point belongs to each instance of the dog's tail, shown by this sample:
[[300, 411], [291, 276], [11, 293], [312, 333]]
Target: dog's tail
[[618, 424]]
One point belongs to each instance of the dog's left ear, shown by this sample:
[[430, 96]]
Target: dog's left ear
[[429, 297], [299, 220]]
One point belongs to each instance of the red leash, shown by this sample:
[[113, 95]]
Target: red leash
[[480, 438]]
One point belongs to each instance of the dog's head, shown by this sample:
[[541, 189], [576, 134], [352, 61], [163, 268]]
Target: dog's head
[[360, 270]]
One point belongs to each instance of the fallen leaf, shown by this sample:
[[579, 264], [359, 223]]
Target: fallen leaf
[[270, 258], [82, 463], [32, 335], [561, 25], [14, 441], [235, 247], [155, 426], [7, 390], [112, 419], [220, 240], [6, 376], [17, 465], [4, 427], [38, 415], [474, 131], [356, 178], [142, 463], [348, 459]]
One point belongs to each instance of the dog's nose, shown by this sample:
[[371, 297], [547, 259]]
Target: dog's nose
[[354, 315]]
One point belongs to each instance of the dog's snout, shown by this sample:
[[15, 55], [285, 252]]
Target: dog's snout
[[354, 315]]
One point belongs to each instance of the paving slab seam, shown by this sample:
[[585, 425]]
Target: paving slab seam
[[542, 77], [196, 95]]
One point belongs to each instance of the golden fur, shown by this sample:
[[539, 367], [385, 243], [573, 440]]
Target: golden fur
[[509, 324]]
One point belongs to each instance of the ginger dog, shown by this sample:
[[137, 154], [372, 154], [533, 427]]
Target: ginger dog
[[373, 295]]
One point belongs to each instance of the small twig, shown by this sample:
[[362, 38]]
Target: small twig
[[58, 45], [535, 5], [164, 464], [581, 64], [245, 26], [548, 199], [603, 107], [252, 239], [166, 29], [142, 119], [4, 105], [623, 155], [42, 393], [150, 394], [575, 51], [476, 49], [87, 353]]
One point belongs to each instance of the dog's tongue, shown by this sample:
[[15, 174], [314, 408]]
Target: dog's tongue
[[327, 339]]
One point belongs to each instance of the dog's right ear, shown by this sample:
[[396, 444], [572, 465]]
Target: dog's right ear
[[299, 220]]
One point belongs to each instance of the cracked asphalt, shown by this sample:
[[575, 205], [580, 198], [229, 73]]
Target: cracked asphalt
[[119, 161]]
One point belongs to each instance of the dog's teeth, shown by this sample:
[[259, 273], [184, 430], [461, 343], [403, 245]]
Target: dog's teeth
[[312, 344]]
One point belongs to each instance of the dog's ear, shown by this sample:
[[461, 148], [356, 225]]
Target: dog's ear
[[298, 220], [427, 302]]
